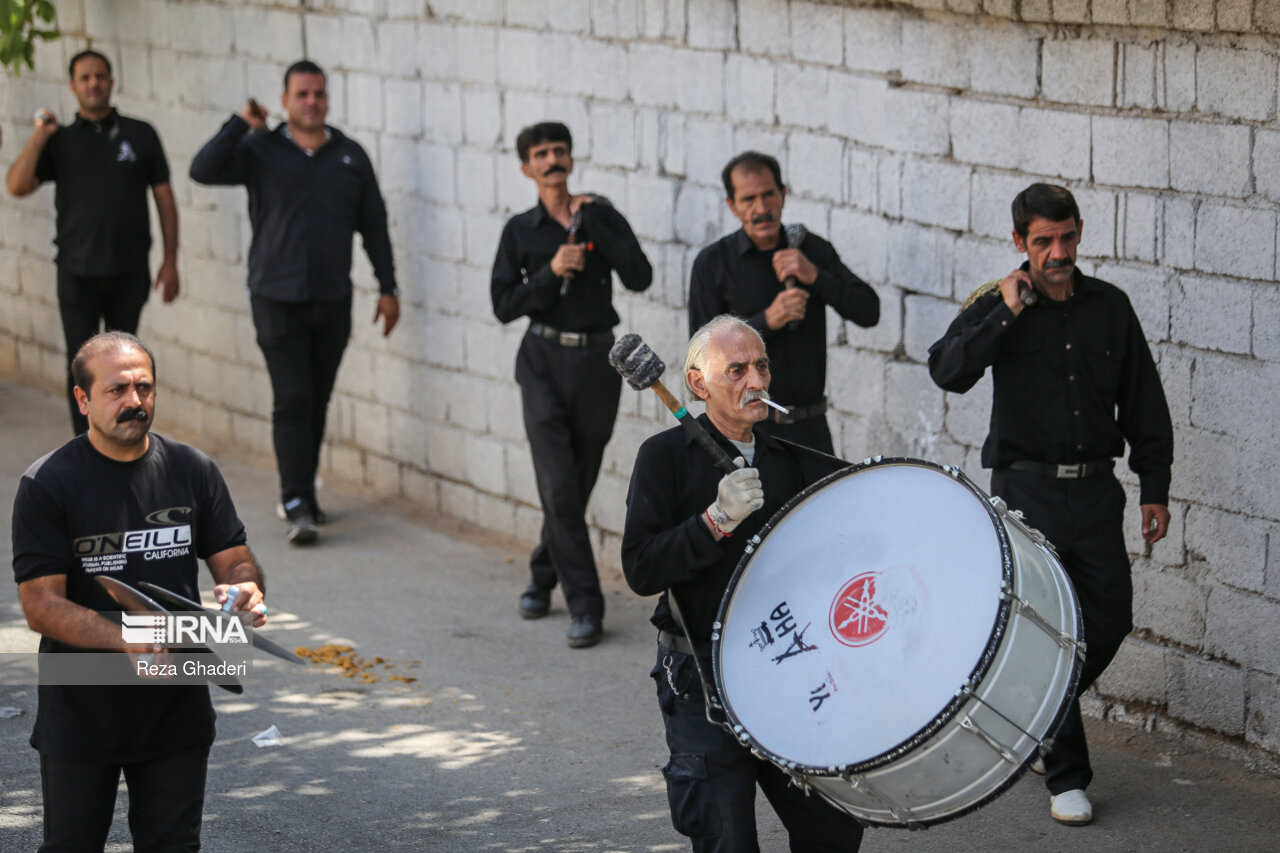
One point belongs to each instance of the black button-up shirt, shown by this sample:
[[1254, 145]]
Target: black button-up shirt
[[666, 545], [102, 170], [732, 276], [305, 210], [1073, 381], [523, 284]]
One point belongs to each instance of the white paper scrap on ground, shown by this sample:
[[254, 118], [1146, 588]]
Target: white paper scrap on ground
[[271, 737]]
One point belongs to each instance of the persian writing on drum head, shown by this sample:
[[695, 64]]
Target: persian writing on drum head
[[778, 626]]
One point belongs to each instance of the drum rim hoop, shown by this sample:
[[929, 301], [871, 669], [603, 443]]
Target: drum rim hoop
[[952, 708]]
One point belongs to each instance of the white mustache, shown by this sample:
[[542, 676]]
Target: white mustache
[[752, 396]]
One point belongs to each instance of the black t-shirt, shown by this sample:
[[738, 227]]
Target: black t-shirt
[[102, 170], [81, 514]]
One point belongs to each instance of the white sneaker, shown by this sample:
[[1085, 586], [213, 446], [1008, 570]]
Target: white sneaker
[[1036, 766], [1071, 808]]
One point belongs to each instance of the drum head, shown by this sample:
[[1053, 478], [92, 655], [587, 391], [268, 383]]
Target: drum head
[[872, 597]]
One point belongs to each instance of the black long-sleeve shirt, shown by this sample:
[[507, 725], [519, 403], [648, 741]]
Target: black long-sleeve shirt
[[732, 276], [1073, 381], [666, 545], [523, 284], [305, 209]]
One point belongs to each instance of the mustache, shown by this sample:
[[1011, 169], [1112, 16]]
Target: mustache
[[133, 415], [763, 219], [1059, 265], [752, 396], [556, 168]]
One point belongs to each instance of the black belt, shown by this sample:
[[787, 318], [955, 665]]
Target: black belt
[[799, 413], [676, 643], [1063, 472], [571, 339]]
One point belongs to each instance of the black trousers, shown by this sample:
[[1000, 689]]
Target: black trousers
[[570, 400], [712, 778], [166, 803], [302, 343], [1084, 521], [91, 304], [810, 432]]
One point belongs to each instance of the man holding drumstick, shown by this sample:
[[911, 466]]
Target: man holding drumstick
[[686, 528], [1073, 381]]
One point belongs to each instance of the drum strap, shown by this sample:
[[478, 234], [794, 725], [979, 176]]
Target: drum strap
[[710, 695]]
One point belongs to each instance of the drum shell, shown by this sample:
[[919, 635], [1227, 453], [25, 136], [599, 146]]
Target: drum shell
[[1014, 698]]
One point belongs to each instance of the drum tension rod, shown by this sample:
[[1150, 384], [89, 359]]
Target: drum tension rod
[[901, 814], [1024, 608], [1005, 752]]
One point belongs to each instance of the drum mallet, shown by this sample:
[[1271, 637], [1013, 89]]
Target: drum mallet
[[641, 367]]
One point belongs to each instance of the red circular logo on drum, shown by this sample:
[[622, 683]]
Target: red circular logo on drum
[[857, 619]]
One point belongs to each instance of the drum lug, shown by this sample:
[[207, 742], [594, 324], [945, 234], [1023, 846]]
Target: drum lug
[[901, 814], [1022, 607], [1004, 752], [1015, 517]]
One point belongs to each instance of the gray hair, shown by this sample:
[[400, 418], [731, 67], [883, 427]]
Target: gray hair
[[696, 355]]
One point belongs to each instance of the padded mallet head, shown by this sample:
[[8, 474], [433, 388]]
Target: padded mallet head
[[638, 364]]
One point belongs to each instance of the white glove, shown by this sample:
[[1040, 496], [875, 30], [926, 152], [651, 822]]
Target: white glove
[[738, 495]]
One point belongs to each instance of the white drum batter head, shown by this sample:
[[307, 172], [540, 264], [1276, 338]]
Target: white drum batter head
[[870, 599]]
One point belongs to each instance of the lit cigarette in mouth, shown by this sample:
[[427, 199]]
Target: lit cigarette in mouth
[[769, 402]]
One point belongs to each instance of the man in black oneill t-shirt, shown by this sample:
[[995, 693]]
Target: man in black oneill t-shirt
[[120, 483]]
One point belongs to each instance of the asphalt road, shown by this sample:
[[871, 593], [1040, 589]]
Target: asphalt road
[[505, 739]]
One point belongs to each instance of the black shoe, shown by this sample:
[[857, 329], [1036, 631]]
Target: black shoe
[[321, 517], [585, 631], [535, 602], [302, 524]]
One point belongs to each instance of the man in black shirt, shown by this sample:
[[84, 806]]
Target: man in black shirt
[[687, 526], [555, 265], [102, 165], [1073, 381], [119, 483], [782, 290], [310, 190]]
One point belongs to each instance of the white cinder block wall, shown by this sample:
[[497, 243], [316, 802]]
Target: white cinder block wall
[[904, 134]]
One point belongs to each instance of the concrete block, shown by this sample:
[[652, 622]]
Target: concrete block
[[403, 107], [478, 192], [1226, 325], [201, 29], [398, 48], [1193, 15], [1148, 290], [659, 77], [1176, 243], [861, 182], [817, 32], [652, 206], [697, 210], [1262, 721], [1243, 628], [1139, 226], [1131, 152], [711, 24], [920, 259], [269, 35], [862, 242], [1235, 83], [1207, 693], [1245, 407], [211, 83], [1053, 143], [1235, 17], [763, 28], [1176, 77], [1210, 159], [814, 167], [477, 52], [519, 59], [749, 88], [1234, 546], [1168, 604], [436, 174], [925, 318], [987, 133], [945, 62], [1079, 71], [936, 193], [856, 108], [802, 95], [1266, 324], [993, 193], [613, 136], [856, 381], [662, 19], [1266, 163], [616, 19], [1037, 11], [364, 101], [1148, 13], [1137, 84], [708, 143], [480, 11], [920, 124], [913, 404], [482, 234], [1071, 11], [873, 39], [1136, 674], [1004, 60], [979, 261], [968, 415], [1233, 240]]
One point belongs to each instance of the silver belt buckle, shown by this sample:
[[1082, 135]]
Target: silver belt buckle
[[572, 339], [1071, 472]]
